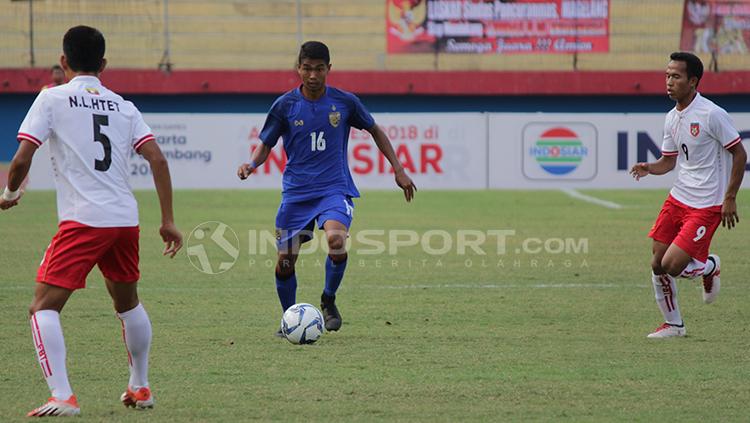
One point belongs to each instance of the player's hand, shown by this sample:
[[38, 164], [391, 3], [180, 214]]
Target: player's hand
[[172, 239], [729, 216], [5, 205], [639, 170], [245, 170], [405, 183]]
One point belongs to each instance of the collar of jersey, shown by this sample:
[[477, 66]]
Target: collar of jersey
[[687, 109], [325, 94], [86, 79]]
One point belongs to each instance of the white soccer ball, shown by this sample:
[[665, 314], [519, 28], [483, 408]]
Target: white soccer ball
[[302, 324]]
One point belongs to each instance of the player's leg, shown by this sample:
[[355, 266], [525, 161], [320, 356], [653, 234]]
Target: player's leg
[[67, 261], [294, 225], [665, 293], [49, 344], [286, 278], [119, 265], [695, 240], [136, 333], [665, 229], [336, 218], [336, 235]]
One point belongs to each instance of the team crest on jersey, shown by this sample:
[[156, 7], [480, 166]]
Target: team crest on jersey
[[93, 91], [695, 129], [334, 118]]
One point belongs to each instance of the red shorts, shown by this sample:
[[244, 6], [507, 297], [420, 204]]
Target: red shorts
[[76, 248], [689, 228]]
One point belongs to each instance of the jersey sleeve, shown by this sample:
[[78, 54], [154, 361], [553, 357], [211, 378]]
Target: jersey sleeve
[[360, 117], [668, 146], [37, 124], [722, 128], [275, 125], [141, 132]]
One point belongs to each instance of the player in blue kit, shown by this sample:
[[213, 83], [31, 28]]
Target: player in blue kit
[[314, 121]]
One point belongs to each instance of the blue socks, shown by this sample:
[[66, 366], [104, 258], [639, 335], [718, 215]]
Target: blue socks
[[334, 274], [287, 290]]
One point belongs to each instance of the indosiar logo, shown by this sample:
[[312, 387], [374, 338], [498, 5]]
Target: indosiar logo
[[559, 151]]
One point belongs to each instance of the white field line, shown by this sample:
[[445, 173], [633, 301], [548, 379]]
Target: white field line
[[589, 199]]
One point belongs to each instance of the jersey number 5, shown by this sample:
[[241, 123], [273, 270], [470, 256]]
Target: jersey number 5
[[317, 142], [99, 121]]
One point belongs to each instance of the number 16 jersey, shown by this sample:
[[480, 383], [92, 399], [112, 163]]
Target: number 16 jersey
[[316, 138], [91, 132]]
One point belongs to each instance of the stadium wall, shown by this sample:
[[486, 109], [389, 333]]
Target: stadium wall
[[486, 104]]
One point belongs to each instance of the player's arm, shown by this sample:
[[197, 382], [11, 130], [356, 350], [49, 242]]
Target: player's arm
[[729, 216], [664, 165], [163, 182], [258, 157], [384, 145], [19, 168]]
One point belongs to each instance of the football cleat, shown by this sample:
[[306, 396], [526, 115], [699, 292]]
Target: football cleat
[[667, 331], [331, 313], [140, 399], [57, 407], [712, 281]]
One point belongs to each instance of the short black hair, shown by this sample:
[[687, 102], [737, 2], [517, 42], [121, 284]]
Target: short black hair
[[693, 64], [314, 50], [84, 48], [56, 67]]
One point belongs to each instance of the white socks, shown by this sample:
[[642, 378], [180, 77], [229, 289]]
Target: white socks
[[50, 351], [665, 291], [136, 331]]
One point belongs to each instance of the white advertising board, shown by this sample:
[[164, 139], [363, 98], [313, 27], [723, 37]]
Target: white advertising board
[[578, 150], [439, 150], [204, 150]]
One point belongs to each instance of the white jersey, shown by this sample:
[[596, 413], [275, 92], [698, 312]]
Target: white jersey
[[700, 135], [91, 132]]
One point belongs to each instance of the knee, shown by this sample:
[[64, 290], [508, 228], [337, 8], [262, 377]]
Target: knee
[[336, 245], [656, 266], [672, 267], [285, 267]]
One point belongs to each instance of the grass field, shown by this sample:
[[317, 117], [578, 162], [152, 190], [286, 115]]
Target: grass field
[[528, 335]]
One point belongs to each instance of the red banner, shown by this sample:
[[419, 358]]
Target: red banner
[[716, 26], [497, 27]]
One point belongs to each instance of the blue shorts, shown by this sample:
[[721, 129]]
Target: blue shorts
[[297, 220]]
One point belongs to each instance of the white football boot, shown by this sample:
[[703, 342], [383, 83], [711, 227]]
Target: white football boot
[[667, 331], [712, 281]]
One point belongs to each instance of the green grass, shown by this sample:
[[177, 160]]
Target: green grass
[[521, 336]]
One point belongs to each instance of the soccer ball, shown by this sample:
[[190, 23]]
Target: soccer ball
[[302, 324]]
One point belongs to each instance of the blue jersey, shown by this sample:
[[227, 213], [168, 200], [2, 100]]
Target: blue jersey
[[316, 138]]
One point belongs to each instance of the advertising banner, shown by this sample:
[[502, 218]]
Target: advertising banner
[[580, 150], [721, 26], [497, 26], [439, 150]]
